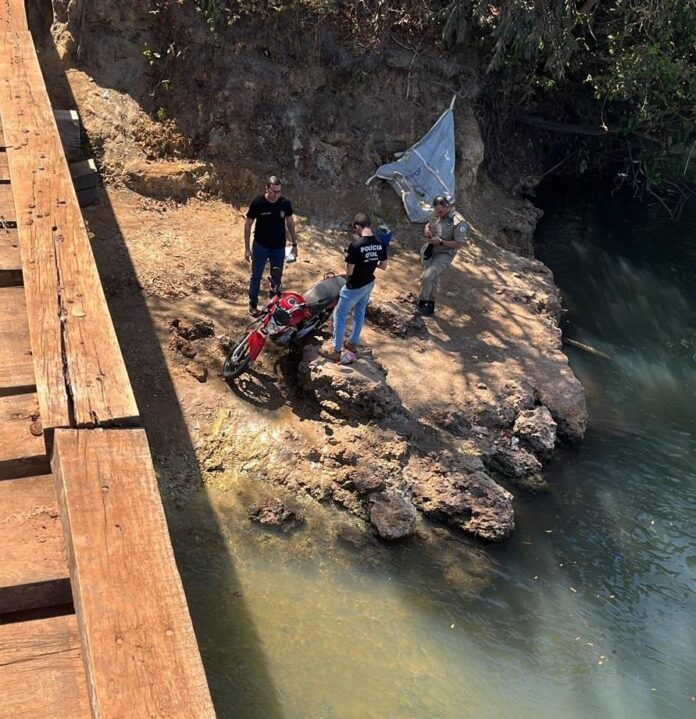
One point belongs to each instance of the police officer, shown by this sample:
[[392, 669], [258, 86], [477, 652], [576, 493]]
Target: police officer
[[445, 234]]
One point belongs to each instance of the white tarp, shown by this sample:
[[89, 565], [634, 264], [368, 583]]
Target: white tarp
[[424, 170]]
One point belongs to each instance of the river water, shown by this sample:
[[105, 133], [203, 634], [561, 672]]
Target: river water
[[588, 611]]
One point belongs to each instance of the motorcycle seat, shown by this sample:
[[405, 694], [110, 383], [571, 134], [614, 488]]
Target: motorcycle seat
[[324, 293]]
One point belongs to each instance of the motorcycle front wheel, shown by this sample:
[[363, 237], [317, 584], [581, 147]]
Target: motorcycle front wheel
[[237, 360]]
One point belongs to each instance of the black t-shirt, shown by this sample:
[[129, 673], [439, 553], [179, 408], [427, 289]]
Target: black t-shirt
[[364, 253], [269, 229]]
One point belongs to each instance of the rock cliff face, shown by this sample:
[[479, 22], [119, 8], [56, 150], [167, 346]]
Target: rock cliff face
[[255, 99], [439, 419]]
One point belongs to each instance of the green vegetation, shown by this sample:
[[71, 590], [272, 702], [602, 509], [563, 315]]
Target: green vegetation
[[626, 66], [367, 21]]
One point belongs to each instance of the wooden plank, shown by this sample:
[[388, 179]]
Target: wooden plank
[[10, 261], [16, 365], [33, 569], [84, 174], [41, 671], [68, 122], [22, 448], [141, 657], [88, 196], [13, 16], [4, 167], [7, 205], [81, 377]]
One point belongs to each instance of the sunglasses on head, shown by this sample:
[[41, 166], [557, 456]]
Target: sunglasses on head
[[440, 203]]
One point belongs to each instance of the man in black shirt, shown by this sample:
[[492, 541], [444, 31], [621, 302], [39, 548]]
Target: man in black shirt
[[364, 255], [273, 214]]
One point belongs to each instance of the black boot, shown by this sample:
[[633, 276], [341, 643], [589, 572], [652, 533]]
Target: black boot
[[422, 307], [428, 309]]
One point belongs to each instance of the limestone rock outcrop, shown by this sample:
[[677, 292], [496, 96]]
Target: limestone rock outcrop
[[359, 390], [536, 428], [469, 500], [392, 515]]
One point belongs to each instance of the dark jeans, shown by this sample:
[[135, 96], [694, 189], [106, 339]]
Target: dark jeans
[[259, 256]]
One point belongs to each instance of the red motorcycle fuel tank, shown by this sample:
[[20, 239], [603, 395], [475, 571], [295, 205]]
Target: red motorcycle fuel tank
[[289, 301]]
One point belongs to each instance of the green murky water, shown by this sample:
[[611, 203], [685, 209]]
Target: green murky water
[[589, 611]]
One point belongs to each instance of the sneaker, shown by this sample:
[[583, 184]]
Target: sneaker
[[348, 345], [347, 357], [327, 350], [254, 310]]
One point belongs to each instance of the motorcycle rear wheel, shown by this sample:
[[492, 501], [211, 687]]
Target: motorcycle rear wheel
[[237, 360]]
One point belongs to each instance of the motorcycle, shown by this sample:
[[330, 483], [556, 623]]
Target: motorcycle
[[286, 318]]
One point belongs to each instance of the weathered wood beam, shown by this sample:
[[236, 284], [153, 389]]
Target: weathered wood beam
[[13, 16], [84, 174], [33, 570], [41, 673], [132, 612], [4, 167], [16, 365], [560, 127], [68, 123], [22, 449], [81, 378], [10, 259], [8, 214]]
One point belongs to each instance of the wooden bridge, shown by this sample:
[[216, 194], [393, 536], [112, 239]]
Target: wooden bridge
[[93, 618]]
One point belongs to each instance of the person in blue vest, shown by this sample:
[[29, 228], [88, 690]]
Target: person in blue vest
[[364, 255], [273, 215]]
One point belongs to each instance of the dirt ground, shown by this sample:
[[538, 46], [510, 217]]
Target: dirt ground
[[492, 349]]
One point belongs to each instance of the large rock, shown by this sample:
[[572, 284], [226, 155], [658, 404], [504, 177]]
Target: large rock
[[471, 501], [274, 513], [452, 419], [537, 429], [516, 464], [497, 408], [564, 396], [356, 391], [392, 515]]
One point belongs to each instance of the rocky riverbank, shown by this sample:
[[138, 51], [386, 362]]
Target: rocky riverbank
[[441, 421]]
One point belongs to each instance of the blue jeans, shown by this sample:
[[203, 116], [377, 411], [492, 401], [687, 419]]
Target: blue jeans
[[259, 256], [355, 300]]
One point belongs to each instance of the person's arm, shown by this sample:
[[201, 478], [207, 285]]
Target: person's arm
[[290, 224], [382, 264], [459, 237], [352, 258], [247, 238]]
